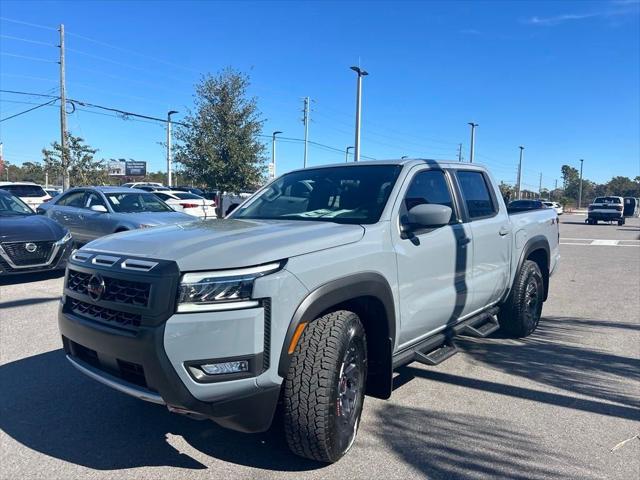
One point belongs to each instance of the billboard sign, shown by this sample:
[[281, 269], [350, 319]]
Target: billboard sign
[[117, 168], [136, 169]]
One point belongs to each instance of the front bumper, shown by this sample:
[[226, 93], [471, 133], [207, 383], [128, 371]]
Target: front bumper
[[151, 359]]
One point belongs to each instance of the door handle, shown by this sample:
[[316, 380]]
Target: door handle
[[81, 216], [503, 231]]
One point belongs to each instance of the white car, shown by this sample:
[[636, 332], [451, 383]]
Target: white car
[[189, 203], [555, 205], [141, 184], [30, 193]]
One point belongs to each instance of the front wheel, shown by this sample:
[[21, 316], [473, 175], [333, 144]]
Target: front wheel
[[520, 314], [324, 388]]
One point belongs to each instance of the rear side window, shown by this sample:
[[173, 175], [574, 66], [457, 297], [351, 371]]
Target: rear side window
[[476, 195], [73, 199], [429, 187], [27, 191]]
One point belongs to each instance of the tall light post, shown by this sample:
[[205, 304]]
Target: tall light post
[[580, 191], [361, 73], [473, 141], [273, 153], [346, 154], [520, 173], [169, 179]]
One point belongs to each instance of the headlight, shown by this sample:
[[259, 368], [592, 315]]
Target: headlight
[[221, 289], [64, 239]]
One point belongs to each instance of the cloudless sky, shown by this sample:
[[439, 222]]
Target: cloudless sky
[[561, 78]]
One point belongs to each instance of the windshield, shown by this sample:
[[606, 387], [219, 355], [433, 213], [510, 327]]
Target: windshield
[[11, 206], [136, 203], [355, 194], [607, 200], [25, 190]]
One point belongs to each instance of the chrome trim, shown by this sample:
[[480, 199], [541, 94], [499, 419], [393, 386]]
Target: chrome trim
[[138, 265], [104, 260], [5, 256], [117, 384], [80, 256]]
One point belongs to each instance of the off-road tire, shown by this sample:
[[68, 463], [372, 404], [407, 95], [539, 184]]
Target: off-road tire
[[314, 421], [520, 314]]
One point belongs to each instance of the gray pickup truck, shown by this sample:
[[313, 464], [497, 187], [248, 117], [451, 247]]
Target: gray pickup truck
[[308, 295]]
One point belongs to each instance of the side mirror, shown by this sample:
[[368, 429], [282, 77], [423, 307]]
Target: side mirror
[[99, 208], [429, 216]]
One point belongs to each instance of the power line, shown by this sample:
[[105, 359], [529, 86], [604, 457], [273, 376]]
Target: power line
[[31, 94], [26, 57], [34, 25], [29, 110], [26, 40]]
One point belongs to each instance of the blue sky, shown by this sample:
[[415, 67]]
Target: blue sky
[[560, 78]]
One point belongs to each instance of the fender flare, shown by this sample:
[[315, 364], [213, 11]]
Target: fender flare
[[333, 293], [538, 242]]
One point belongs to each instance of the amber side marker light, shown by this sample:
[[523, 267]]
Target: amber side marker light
[[296, 336]]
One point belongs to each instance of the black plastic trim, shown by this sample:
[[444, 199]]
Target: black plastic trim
[[534, 243], [334, 293], [255, 368]]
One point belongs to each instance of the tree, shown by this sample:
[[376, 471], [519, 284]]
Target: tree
[[507, 191], [218, 143], [83, 168]]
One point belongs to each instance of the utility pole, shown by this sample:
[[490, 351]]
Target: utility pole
[[540, 187], [346, 155], [64, 156], [473, 141], [169, 165], [556, 187], [361, 73], [580, 192], [305, 120], [459, 152], [520, 174], [273, 153]]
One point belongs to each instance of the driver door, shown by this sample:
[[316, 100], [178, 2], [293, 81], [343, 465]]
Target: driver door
[[432, 263]]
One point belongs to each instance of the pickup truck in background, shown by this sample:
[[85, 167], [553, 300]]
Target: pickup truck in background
[[308, 295], [606, 209]]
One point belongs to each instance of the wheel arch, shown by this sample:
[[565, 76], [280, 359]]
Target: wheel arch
[[537, 250], [367, 294]]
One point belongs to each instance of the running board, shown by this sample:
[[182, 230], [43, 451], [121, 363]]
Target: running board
[[436, 356], [483, 330]]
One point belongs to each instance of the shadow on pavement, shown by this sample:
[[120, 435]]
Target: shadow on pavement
[[28, 301], [19, 279], [444, 446], [53, 409]]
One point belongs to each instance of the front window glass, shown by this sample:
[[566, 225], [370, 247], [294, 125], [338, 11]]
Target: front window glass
[[429, 187], [353, 194], [136, 203], [12, 206]]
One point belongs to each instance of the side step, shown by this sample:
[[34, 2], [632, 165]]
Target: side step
[[483, 330], [436, 356]]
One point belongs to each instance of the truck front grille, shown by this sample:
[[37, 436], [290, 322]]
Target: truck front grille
[[116, 290], [129, 321], [20, 256]]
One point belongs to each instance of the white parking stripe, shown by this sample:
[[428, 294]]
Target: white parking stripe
[[606, 243], [597, 243]]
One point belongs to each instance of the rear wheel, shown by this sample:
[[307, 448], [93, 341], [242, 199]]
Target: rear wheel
[[324, 387], [520, 315]]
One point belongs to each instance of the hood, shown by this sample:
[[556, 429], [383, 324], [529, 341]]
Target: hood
[[229, 243], [156, 218], [29, 228]]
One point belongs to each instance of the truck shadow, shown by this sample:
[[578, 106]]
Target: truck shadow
[[30, 277], [49, 407], [444, 445]]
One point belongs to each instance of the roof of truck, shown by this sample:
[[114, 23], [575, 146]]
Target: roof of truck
[[402, 161]]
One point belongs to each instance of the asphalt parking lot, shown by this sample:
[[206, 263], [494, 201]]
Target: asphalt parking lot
[[559, 404]]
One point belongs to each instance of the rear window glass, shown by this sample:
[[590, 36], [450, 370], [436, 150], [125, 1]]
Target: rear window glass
[[476, 194], [187, 196], [25, 190], [607, 200]]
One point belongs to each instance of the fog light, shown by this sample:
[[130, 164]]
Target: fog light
[[225, 367]]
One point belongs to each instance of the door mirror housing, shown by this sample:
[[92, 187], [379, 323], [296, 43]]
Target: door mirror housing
[[99, 208], [429, 216]]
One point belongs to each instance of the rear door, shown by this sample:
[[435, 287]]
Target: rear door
[[67, 210], [94, 224], [491, 231], [432, 262]]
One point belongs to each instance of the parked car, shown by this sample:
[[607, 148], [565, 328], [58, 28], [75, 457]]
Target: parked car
[[153, 188], [525, 205], [190, 189], [93, 212], [53, 192], [141, 184], [555, 205], [607, 209], [308, 294], [188, 203], [29, 242], [30, 193], [631, 207]]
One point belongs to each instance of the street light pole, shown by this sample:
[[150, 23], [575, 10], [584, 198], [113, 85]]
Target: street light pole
[[473, 141], [580, 192], [520, 173], [346, 155], [361, 73], [169, 166], [273, 153]]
